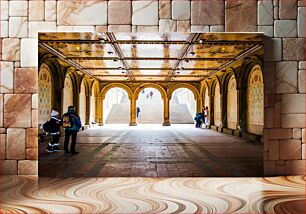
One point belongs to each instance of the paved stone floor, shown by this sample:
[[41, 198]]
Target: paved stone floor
[[154, 151]]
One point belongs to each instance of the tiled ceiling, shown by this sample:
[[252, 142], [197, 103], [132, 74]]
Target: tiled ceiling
[[149, 56]]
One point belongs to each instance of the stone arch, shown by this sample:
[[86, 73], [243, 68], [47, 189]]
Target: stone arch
[[116, 85], [231, 100], [255, 101], [193, 89], [161, 90], [215, 100], [84, 110], [94, 102], [68, 97], [45, 92]]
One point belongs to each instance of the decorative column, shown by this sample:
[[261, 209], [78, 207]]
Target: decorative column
[[87, 113], [223, 109], [99, 111], [199, 105], [133, 111], [166, 112], [241, 110]]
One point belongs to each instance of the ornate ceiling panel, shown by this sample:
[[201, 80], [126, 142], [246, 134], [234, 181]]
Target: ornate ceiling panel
[[150, 56]]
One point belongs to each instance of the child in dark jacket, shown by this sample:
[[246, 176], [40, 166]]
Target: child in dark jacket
[[54, 130]]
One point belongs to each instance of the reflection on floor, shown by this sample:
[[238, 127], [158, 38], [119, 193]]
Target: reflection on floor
[[154, 151], [27, 194]]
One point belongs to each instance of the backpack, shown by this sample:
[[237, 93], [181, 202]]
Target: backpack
[[47, 126], [76, 122], [67, 121]]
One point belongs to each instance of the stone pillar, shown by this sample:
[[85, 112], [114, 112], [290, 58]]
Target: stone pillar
[[166, 111], [99, 111], [76, 101], [133, 111], [87, 113], [223, 109], [199, 105], [211, 109], [242, 110]]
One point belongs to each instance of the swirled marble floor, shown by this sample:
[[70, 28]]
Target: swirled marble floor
[[154, 151], [25, 194]]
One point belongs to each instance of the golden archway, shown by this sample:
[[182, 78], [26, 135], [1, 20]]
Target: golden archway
[[192, 88], [116, 85], [161, 90]]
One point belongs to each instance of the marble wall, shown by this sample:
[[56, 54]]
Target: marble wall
[[283, 20]]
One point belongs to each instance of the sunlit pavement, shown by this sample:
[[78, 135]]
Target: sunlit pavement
[[154, 151]]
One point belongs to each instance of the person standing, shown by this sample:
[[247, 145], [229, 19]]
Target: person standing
[[137, 111], [53, 128], [72, 124], [151, 94], [206, 115]]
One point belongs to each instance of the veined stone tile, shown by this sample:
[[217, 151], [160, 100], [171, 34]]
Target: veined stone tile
[[36, 27], [50, 10], [269, 168], [4, 29], [217, 28], [273, 49], [301, 81], [297, 133], [301, 22], [15, 144], [17, 110], [290, 149], [119, 28], [295, 167], [277, 134], [8, 167], [1, 110], [29, 46], [167, 25], [273, 149], [293, 120], [286, 77], [7, 77], [147, 28], [303, 151], [301, 3], [4, 13], [181, 10], [183, 26], [32, 154], [91, 12], [27, 167], [119, 12], [199, 29], [275, 13], [207, 12], [26, 80], [36, 10], [293, 49], [145, 13], [18, 27], [302, 65], [275, 3], [17, 64], [267, 30], [241, 15], [304, 135], [287, 9], [34, 101], [164, 9], [285, 28], [2, 146], [11, 49], [35, 118], [75, 29], [293, 103], [18, 8], [265, 12], [32, 138], [101, 28], [2, 130]]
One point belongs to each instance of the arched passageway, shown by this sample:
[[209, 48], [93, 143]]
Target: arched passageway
[[150, 107], [182, 106], [116, 106], [232, 104], [67, 93]]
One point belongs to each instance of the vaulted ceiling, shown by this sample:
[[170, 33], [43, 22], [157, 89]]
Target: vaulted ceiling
[[150, 56]]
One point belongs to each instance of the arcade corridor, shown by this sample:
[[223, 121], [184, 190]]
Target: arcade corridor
[[154, 151]]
